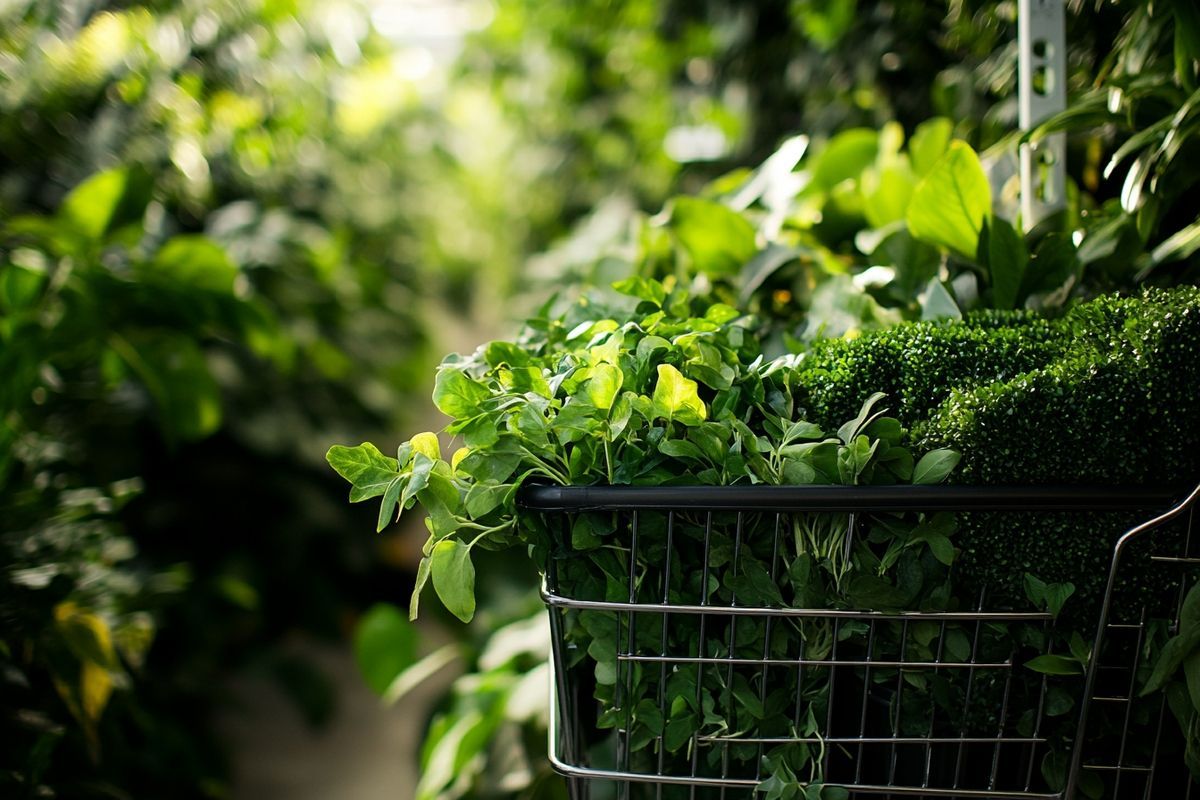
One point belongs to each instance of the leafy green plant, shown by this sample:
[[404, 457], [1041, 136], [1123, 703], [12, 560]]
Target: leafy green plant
[[1181, 654], [655, 390]]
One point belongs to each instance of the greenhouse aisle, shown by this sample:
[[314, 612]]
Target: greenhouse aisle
[[367, 751]]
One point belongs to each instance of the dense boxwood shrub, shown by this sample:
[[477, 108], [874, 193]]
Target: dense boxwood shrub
[[1104, 394], [919, 365]]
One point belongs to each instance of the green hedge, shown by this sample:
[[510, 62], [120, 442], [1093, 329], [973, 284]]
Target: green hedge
[[1109, 393]]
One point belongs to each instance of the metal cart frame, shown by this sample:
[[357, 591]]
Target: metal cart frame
[[1008, 758]]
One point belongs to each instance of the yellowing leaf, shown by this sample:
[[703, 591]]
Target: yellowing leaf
[[86, 634], [675, 397], [95, 687], [427, 443]]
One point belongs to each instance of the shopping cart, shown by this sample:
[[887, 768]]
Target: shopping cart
[[936, 704]]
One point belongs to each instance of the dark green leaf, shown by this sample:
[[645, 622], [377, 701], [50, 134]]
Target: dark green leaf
[[935, 466], [1006, 258], [1054, 665], [718, 240], [385, 644]]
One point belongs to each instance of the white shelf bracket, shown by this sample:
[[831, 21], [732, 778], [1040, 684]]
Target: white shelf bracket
[[1042, 93]]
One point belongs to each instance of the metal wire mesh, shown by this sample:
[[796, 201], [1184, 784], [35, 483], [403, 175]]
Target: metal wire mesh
[[901, 704]]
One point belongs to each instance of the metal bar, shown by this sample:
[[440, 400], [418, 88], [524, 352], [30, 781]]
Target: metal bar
[[933, 708], [903, 497], [700, 646], [930, 740], [767, 625], [1041, 93], [1089, 684], [737, 554], [630, 648], [831, 696], [899, 700], [752, 611], [962, 730], [662, 673], [866, 697]]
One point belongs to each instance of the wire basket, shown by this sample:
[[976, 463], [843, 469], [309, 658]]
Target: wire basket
[[935, 704]]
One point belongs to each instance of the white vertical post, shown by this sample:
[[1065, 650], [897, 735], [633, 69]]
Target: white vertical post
[[1042, 92]]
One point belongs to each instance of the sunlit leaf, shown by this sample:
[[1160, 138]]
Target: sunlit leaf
[[718, 240], [950, 203]]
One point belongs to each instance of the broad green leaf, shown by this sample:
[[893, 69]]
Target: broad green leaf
[[494, 466], [887, 193], [680, 448], [1054, 665], [934, 466], [19, 287], [1035, 589], [646, 289], [500, 353], [1006, 258], [649, 715], [522, 380], [825, 23], [106, 200], [943, 551], [1057, 595], [454, 577], [678, 731], [192, 262], [603, 386], [950, 204], [675, 397], [485, 497], [928, 144], [718, 240], [845, 157], [385, 644], [457, 395]]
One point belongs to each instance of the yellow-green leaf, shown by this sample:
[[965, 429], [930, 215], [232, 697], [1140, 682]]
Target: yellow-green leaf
[[675, 397], [427, 443], [950, 204], [603, 386]]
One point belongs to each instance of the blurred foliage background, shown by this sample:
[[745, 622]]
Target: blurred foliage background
[[233, 232]]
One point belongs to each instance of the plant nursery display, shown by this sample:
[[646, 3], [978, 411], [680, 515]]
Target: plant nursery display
[[652, 387]]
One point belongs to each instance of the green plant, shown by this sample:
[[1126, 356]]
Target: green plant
[[646, 393]]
